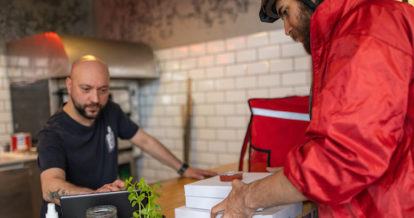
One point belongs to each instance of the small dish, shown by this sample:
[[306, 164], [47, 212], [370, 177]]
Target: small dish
[[230, 176]]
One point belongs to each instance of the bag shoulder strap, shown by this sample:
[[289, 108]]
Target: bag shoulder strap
[[245, 142]]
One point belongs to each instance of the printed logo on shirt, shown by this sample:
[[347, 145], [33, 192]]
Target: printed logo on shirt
[[110, 139]]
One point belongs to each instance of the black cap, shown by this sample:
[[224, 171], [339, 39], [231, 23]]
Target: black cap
[[268, 12]]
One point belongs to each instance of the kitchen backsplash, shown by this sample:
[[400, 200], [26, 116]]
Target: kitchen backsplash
[[225, 74], [5, 114]]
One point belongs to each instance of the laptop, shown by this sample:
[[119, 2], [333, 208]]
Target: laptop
[[75, 206]]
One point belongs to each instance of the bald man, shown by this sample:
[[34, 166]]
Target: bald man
[[78, 145]]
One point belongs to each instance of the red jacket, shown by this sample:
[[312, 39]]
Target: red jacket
[[359, 157]]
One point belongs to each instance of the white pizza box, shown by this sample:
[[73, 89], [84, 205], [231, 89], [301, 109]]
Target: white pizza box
[[201, 202], [214, 188], [282, 211]]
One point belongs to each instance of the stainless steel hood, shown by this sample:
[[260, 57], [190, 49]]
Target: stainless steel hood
[[49, 55]]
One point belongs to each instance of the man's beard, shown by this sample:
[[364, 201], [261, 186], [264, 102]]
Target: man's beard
[[303, 30], [81, 109]]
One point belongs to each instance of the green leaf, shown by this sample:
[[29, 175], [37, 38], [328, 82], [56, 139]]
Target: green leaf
[[158, 207], [140, 198]]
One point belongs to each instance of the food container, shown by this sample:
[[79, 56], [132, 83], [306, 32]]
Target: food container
[[286, 210], [206, 193], [21, 141]]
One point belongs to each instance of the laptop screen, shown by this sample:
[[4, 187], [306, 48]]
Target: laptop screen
[[75, 206]]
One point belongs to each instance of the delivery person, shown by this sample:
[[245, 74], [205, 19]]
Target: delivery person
[[358, 160], [78, 146]]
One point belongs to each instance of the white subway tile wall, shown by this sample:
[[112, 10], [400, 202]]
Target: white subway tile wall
[[6, 128], [224, 74], [236, 43]]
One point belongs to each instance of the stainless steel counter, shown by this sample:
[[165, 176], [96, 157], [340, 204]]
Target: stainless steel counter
[[8, 158], [20, 192]]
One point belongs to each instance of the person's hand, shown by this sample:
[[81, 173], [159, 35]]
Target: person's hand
[[117, 185], [197, 173], [235, 203], [274, 169]]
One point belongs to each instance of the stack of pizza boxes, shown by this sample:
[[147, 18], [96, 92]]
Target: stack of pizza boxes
[[202, 195]]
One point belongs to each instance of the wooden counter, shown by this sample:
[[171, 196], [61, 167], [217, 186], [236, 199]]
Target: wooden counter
[[172, 192]]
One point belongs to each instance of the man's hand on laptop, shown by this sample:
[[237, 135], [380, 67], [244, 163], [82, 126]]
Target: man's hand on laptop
[[117, 185]]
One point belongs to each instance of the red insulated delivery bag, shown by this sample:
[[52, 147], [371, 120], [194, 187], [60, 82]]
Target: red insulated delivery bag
[[276, 125]]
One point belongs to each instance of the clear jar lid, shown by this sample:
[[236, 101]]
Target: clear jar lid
[[102, 211]]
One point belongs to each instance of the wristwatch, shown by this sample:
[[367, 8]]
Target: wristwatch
[[182, 169]]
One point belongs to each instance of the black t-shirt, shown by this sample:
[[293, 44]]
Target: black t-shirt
[[87, 154]]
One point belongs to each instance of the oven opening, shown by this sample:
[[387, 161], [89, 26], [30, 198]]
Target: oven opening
[[124, 171]]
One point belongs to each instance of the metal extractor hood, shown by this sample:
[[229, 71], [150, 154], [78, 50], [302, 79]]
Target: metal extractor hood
[[49, 55]]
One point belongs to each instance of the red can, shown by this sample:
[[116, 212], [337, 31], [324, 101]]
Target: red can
[[21, 141]]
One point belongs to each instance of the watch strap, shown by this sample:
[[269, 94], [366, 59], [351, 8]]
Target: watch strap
[[183, 168]]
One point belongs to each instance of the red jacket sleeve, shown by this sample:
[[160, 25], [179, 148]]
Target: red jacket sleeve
[[357, 120]]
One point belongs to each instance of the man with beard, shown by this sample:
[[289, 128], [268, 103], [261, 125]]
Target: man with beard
[[78, 146], [358, 160]]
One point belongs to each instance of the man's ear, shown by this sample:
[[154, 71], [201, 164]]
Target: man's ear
[[69, 84]]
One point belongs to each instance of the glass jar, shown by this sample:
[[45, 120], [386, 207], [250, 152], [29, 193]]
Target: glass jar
[[102, 211]]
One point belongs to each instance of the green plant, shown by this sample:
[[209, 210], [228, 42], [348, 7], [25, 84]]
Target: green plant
[[138, 191]]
